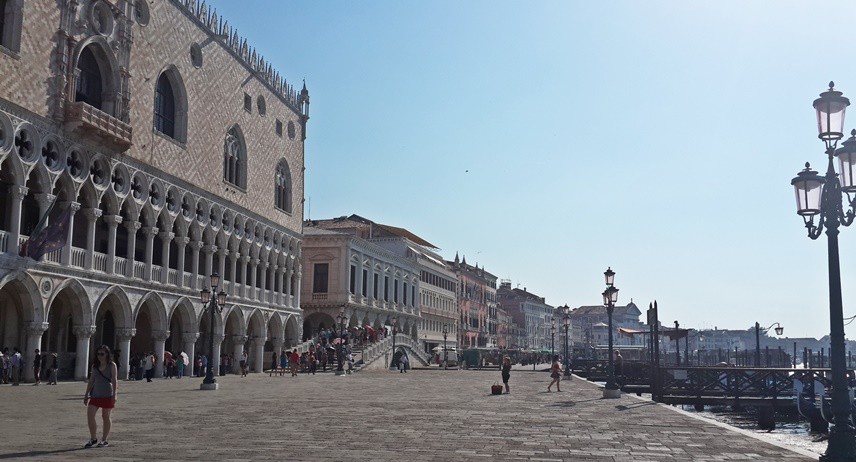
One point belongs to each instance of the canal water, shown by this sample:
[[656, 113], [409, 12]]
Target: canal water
[[791, 429]]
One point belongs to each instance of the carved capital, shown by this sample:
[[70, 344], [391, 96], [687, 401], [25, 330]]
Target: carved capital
[[190, 337], [260, 341], [245, 258], [84, 331], [92, 214], [160, 335], [18, 192], [166, 235], [36, 328], [239, 338], [132, 225], [74, 206], [182, 240], [196, 245], [125, 334], [44, 199], [209, 249], [218, 338], [150, 231], [112, 220]]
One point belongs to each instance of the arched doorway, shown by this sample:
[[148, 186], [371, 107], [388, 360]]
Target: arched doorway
[[315, 323], [291, 332], [69, 308], [256, 338], [235, 339]]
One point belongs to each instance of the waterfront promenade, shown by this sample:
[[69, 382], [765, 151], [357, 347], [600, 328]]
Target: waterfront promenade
[[421, 415]]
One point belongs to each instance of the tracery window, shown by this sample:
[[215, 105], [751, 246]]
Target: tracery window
[[283, 187], [235, 158], [89, 84]]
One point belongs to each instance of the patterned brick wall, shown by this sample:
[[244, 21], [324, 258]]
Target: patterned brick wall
[[215, 96]]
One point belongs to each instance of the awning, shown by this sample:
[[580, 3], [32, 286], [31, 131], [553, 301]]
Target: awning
[[631, 332]]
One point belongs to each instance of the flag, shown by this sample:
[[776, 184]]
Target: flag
[[52, 238], [34, 234]]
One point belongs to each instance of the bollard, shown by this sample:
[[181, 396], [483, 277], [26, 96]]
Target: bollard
[[699, 407], [766, 418]]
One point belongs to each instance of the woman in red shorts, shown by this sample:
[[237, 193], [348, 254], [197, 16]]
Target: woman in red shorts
[[100, 393]]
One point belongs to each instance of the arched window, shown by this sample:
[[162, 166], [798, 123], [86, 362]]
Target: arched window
[[235, 158], [283, 186], [89, 84], [165, 107]]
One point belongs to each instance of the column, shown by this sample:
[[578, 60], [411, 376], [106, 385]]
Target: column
[[238, 352], [150, 233], [194, 261], [159, 336], [91, 216], [245, 259], [218, 343], [112, 222], [221, 267], [288, 275], [65, 257], [254, 270], [81, 362], [181, 243], [34, 340], [358, 285], [270, 270], [166, 239], [297, 292], [44, 200], [132, 226], [189, 339], [124, 337], [233, 267], [259, 365], [278, 270], [18, 193], [209, 250]]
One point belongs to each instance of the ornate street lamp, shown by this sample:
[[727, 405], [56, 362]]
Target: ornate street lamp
[[566, 321], [213, 304], [340, 370], [552, 338], [445, 352], [610, 296], [394, 333], [779, 330], [822, 197]]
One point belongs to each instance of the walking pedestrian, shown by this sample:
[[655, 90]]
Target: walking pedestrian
[[283, 362], [16, 367], [312, 364], [54, 369], [181, 357], [37, 368], [150, 366], [275, 365], [101, 394], [167, 364], [402, 363], [506, 373], [244, 364], [294, 361], [555, 373]]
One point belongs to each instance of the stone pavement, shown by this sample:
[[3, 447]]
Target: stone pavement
[[422, 415]]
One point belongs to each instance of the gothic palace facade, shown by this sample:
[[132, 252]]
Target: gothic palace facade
[[179, 151]]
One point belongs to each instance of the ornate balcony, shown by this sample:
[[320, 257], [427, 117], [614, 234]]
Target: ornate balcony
[[89, 122]]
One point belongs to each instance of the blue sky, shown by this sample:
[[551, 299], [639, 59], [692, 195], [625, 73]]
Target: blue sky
[[549, 140]]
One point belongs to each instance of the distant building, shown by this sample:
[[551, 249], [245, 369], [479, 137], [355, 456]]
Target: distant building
[[530, 313], [477, 300], [589, 326]]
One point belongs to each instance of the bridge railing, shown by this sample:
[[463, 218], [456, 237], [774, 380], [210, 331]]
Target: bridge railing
[[743, 382]]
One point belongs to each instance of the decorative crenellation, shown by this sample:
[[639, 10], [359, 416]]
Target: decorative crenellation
[[208, 18]]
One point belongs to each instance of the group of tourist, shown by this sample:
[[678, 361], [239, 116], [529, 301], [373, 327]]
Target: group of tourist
[[12, 366]]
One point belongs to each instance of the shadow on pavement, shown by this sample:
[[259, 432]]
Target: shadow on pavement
[[16, 455]]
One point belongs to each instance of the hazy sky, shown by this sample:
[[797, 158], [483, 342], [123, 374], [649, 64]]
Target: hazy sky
[[548, 140]]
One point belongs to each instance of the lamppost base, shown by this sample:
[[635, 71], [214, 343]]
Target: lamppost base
[[338, 372], [841, 446], [209, 386], [609, 393]]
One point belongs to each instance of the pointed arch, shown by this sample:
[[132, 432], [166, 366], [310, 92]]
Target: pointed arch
[[283, 187], [124, 315], [156, 309], [170, 108], [81, 309], [98, 81], [235, 157]]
